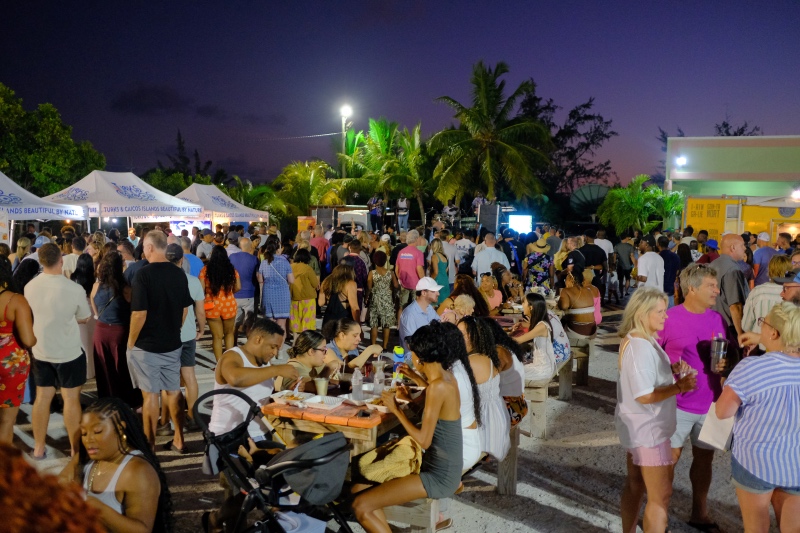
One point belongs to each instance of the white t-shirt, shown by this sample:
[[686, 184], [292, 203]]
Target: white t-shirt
[[70, 263], [463, 247], [204, 249], [189, 328], [652, 265], [645, 366], [56, 303], [606, 245]]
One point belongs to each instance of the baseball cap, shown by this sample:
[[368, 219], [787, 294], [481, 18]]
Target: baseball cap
[[763, 236], [650, 240], [792, 276], [711, 243], [233, 237], [207, 231], [174, 252], [507, 233], [427, 284], [385, 237], [41, 240]]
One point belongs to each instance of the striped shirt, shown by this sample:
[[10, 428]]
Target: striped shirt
[[766, 435], [760, 302]]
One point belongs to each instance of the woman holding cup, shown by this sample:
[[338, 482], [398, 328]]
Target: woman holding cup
[[646, 410], [307, 355]]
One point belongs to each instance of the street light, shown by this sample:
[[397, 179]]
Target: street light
[[345, 111], [680, 161]]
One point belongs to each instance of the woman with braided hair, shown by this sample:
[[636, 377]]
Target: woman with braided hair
[[119, 471]]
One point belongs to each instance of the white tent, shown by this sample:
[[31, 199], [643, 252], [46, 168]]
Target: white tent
[[16, 203], [218, 206], [123, 194]]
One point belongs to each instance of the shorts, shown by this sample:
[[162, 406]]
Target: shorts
[[154, 372], [244, 308], [188, 352], [689, 425], [67, 375], [624, 273], [406, 296], [660, 455], [744, 480]]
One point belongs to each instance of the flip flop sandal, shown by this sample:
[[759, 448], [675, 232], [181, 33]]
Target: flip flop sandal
[[444, 524]]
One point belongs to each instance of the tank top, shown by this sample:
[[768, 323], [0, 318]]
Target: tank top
[[108, 496], [229, 411], [114, 311], [494, 431], [465, 393]]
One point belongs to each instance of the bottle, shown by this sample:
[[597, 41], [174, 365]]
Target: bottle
[[399, 359], [356, 383], [378, 379]]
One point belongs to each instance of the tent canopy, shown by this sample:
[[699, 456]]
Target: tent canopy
[[17, 203], [123, 194], [220, 204]]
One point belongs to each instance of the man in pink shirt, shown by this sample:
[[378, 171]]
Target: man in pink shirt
[[410, 268], [319, 242]]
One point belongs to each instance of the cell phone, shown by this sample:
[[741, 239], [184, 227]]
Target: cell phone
[[363, 414]]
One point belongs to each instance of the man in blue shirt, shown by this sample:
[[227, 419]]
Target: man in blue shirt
[[195, 264], [421, 311], [761, 258], [246, 264]]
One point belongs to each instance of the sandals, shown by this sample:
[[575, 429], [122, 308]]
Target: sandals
[[170, 447], [444, 524], [706, 527]]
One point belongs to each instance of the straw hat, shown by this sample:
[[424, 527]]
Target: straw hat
[[541, 246]]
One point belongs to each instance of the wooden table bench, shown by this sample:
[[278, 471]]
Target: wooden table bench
[[536, 393]]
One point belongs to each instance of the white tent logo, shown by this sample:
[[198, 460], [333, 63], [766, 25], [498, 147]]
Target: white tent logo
[[220, 201], [132, 192], [73, 194], [9, 198]]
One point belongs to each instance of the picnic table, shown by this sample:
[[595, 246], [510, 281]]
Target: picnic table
[[362, 432]]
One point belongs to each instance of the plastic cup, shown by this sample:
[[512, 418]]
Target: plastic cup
[[322, 386]]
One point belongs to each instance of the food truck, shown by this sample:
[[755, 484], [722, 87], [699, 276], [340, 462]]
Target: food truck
[[737, 214]]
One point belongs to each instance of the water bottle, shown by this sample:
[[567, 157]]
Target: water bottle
[[399, 359], [378, 379], [356, 383]]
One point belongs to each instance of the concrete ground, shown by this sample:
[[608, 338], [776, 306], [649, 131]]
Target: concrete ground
[[569, 482]]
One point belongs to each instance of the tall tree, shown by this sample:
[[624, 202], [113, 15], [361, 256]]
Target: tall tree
[[575, 142], [180, 162], [726, 129], [261, 197], [37, 149], [487, 143], [413, 175], [303, 184], [172, 182]]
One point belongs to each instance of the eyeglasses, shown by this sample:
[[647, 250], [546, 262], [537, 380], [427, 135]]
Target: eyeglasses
[[323, 349], [762, 321]]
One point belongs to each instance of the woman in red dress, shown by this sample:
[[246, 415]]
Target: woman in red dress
[[16, 336]]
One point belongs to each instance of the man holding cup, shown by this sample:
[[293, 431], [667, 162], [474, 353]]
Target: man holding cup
[[687, 337]]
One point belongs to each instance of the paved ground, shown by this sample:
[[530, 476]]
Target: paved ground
[[569, 482]]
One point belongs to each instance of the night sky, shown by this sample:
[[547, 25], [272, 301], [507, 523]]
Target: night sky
[[236, 76]]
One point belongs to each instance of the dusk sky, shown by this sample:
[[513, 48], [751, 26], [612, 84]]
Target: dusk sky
[[236, 76]]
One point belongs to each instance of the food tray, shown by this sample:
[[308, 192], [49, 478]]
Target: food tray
[[323, 402], [371, 405], [290, 397]]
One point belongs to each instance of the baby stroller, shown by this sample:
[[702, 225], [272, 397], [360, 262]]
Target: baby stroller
[[315, 470]]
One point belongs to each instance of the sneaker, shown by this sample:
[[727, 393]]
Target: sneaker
[[191, 424], [164, 431]]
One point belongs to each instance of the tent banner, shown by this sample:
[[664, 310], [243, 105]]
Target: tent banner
[[45, 212]]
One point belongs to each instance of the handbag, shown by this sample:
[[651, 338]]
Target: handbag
[[716, 432], [396, 458]]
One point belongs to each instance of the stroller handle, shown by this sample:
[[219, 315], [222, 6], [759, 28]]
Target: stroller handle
[[274, 469], [253, 412]]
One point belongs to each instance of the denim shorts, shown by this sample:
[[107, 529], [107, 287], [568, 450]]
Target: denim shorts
[[747, 481]]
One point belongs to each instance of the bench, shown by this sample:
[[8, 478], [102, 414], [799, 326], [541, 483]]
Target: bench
[[423, 514], [536, 395], [583, 349]]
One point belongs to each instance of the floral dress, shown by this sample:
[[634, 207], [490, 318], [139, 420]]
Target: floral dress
[[381, 307], [538, 270], [224, 302], [15, 364]]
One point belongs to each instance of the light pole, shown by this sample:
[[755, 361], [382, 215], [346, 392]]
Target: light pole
[[345, 111]]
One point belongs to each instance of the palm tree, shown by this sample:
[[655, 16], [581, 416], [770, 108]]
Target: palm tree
[[668, 205], [413, 174], [261, 197], [488, 141], [305, 183], [629, 207]]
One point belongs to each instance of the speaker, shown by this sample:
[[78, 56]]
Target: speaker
[[325, 216], [488, 216]]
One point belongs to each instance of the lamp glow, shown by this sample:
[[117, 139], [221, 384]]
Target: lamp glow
[[680, 161], [796, 195], [106, 219], [346, 111]]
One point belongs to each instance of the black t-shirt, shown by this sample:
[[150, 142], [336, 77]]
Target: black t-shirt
[[594, 255], [395, 253], [575, 257], [162, 290]]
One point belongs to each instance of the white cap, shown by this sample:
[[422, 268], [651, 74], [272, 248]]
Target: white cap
[[428, 284], [385, 237], [763, 236]]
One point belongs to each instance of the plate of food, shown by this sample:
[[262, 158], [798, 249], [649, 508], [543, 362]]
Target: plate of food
[[323, 402], [291, 397], [376, 404]]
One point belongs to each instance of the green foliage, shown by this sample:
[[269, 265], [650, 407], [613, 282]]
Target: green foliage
[[172, 182], [635, 206], [261, 197], [181, 163], [305, 183], [488, 144], [37, 150]]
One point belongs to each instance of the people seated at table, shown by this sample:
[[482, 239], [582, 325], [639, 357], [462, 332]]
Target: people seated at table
[[577, 302], [118, 470], [465, 285], [512, 372], [482, 352], [463, 306], [245, 368], [343, 337], [439, 435], [307, 355], [509, 287], [550, 346]]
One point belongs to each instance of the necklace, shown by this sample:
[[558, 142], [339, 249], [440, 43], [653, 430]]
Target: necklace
[[95, 469]]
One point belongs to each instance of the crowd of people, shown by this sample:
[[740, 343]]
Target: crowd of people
[[129, 311]]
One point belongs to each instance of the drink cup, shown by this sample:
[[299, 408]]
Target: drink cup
[[322, 386], [719, 350]]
